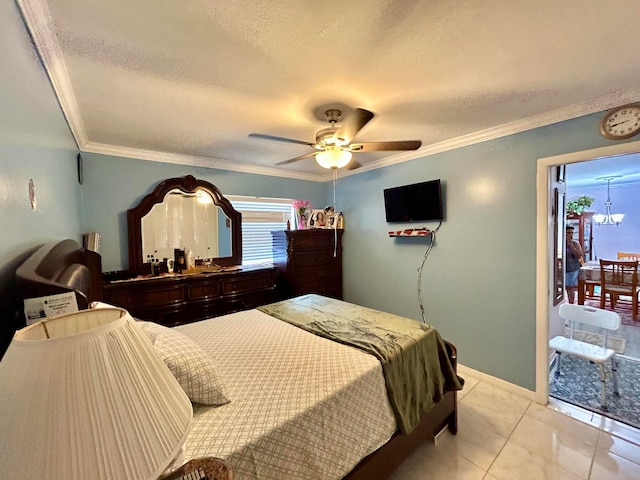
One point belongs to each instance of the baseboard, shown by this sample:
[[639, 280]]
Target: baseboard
[[497, 382]]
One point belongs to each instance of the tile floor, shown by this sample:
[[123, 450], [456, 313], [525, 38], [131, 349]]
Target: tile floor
[[503, 436]]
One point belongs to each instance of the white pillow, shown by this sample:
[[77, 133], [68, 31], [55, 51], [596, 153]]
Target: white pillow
[[191, 366]]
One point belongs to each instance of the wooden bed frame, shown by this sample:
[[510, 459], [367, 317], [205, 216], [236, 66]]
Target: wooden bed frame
[[380, 464], [65, 266]]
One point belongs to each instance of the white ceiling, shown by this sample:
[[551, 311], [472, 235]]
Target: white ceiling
[[625, 169], [186, 82]]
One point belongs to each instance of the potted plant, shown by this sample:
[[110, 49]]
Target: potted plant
[[580, 204]]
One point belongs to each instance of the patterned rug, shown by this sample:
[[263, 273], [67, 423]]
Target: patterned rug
[[579, 385], [622, 308]]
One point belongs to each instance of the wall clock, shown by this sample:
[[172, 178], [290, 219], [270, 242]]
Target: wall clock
[[622, 122]]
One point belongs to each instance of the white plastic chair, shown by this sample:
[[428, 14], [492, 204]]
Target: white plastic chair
[[606, 320]]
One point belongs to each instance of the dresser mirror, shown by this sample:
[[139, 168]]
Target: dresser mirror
[[184, 212]]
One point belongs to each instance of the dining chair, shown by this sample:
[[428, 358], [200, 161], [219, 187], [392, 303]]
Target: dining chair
[[628, 256], [619, 278]]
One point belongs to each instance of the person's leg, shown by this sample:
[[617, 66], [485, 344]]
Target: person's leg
[[571, 294], [571, 283]]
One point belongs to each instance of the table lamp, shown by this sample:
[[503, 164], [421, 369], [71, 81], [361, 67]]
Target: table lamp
[[85, 396]]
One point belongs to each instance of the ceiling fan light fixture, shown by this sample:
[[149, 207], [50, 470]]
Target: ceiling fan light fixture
[[333, 157]]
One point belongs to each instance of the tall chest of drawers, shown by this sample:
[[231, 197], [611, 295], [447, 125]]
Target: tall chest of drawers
[[308, 261]]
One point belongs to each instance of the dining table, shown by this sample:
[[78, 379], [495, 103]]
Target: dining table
[[589, 278]]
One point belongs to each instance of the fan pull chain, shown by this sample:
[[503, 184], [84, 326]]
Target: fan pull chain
[[335, 222]]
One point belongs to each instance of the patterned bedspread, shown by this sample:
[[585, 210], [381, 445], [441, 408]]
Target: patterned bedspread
[[414, 360], [302, 407]]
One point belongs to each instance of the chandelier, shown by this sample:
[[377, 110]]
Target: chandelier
[[608, 218]]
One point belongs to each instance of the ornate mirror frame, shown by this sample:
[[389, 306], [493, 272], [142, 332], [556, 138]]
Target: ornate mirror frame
[[186, 184]]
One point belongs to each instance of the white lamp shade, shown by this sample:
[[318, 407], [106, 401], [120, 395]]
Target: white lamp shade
[[93, 401], [333, 157]]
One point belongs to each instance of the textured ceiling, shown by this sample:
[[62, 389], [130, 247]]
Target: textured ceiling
[[186, 82]]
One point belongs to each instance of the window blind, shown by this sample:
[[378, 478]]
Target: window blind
[[259, 217]]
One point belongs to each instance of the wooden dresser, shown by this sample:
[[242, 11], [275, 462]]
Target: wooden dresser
[[308, 261], [178, 299]]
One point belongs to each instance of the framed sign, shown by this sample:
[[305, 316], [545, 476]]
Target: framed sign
[[39, 308]]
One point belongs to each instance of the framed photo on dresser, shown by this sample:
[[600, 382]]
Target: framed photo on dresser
[[317, 219], [322, 219]]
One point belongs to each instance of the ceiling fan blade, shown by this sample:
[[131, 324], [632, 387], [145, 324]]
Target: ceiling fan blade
[[353, 164], [385, 146], [301, 157], [354, 124], [280, 139]]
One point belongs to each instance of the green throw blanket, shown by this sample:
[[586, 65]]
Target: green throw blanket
[[414, 358]]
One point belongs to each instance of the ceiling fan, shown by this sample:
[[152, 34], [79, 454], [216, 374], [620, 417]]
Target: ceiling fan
[[334, 145]]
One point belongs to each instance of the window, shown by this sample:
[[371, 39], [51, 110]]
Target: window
[[259, 217]]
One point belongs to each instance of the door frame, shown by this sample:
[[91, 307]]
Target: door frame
[[544, 250]]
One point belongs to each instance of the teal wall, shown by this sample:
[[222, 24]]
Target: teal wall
[[478, 283], [35, 142]]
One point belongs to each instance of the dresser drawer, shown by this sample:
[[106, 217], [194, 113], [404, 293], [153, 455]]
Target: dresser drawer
[[247, 284], [316, 271], [208, 289], [329, 286], [162, 296], [320, 239], [249, 300], [314, 259]]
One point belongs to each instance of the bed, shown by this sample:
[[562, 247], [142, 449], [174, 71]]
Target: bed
[[295, 399]]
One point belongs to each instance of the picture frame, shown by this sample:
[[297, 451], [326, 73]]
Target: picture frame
[[332, 218], [317, 219], [322, 219]]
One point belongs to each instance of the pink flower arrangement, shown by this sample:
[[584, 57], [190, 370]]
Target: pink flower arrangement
[[301, 206]]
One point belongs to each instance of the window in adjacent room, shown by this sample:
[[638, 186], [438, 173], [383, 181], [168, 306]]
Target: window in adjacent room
[[259, 217]]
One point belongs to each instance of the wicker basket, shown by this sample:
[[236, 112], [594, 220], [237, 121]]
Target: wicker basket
[[206, 468]]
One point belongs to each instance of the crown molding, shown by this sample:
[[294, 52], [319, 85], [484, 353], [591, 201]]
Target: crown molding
[[549, 118], [542, 120], [36, 14], [194, 161]]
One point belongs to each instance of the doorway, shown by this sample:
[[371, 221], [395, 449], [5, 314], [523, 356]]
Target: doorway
[[546, 311]]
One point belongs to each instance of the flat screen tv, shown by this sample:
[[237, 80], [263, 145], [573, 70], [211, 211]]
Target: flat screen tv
[[414, 203]]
